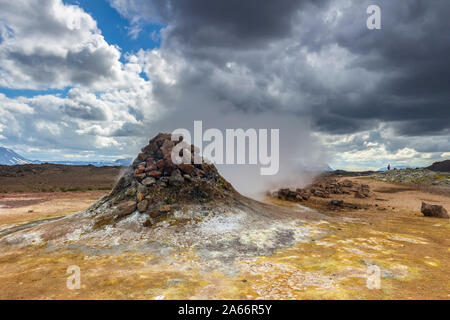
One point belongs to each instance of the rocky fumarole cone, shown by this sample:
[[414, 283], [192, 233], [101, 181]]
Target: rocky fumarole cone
[[156, 186], [156, 202]]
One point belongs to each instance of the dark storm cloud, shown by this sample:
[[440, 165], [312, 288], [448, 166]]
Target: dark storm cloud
[[312, 62], [397, 75], [411, 54], [233, 23], [420, 143]]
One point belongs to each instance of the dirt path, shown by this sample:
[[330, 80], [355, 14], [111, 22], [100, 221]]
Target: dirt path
[[26, 207]]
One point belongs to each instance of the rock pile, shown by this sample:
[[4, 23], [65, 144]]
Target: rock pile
[[417, 176], [155, 185], [323, 189]]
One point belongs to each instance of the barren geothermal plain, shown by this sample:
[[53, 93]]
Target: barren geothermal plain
[[184, 233]]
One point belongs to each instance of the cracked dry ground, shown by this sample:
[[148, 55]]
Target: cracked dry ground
[[330, 262]]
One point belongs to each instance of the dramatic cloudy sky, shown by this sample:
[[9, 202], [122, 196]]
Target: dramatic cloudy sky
[[94, 79]]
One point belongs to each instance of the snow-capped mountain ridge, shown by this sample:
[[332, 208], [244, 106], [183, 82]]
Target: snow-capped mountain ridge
[[9, 157]]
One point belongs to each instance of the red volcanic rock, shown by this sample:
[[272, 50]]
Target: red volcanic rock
[[168, 165], [150, 167], [160, 164], [154, 174], [140, 176], [140, 169], [167, 146], [187, 168], [142, 156]]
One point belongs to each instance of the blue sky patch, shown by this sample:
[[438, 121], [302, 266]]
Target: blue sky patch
[[115, 28]]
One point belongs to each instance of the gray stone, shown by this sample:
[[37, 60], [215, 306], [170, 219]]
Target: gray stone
[[131, 191], [149, 181], [142, 189], [142, 206], [337, 203], [176, 178]]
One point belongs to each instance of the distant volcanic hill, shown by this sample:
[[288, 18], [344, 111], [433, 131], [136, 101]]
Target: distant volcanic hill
[[9, 157], [442, 166], [185, 205]]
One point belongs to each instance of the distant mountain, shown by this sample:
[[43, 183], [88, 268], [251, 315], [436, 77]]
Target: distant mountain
[[10, 158], [442, 166], [124, 162], [116, 163]]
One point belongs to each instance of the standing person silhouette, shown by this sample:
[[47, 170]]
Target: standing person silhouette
[[389, 166]]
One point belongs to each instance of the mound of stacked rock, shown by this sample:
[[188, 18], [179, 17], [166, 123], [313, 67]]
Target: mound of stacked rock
[[157, 186]]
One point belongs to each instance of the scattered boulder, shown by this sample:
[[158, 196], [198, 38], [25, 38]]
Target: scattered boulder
[[324, 189], [435, 211], [347, 183], [360, 195], [148, 223], [337, 203], [287, 194]]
